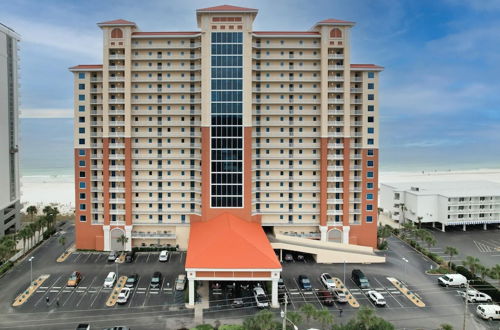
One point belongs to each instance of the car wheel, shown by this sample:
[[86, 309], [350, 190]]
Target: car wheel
[[462, 285], [489, 300], [446, 285], [473, 300], [490, 319]]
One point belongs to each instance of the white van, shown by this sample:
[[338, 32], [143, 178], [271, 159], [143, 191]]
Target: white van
[[488, 312], [474, 296], [453, 280]]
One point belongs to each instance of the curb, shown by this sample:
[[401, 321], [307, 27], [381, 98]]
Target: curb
[[25, 295]]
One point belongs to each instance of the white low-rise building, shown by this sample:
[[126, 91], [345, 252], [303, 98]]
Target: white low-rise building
[[444, 202]]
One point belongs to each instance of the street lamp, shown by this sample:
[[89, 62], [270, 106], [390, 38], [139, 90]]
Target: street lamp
[[404, 264], [287, 319], [31, 269]]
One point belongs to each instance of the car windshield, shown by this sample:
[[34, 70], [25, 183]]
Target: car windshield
[[72, 277], [130, 280], [305, 281], [155, 279], [481, 309], [328, 280], [261, 298], [446, 278], [363, 280], [109, 278]]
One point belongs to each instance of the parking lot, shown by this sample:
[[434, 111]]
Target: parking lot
[[165, 309], [90, 293]]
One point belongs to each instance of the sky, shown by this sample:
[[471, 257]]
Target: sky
[[439, 92]]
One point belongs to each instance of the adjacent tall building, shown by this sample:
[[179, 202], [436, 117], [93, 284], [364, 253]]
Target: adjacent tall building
[[9, 114], [273, 127]]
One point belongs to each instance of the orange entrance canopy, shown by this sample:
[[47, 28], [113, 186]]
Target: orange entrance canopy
[[228, 242]]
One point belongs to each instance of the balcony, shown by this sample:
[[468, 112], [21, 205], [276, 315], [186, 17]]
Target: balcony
[[335, 168], [116, 68], [116, 112], [335, 67], [334, 212], [336, 56], [117, 56], [334, 201], [166, 46], [117, 90], [116, 156], [120, 78], [95, 79], [96, 90], [335, 90], [336, 134], [335, 78], [96, 101], [356, 101], [335, 112], [116, 101], [153, 235], [117, 211], [356, 90], [335, 123], [336, 101], [116, 123], [335, 145], [356, 79], [335, 179]]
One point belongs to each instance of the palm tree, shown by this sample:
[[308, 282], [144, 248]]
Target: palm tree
[[29, 235], [309, 311], [451, 251], [495, 273], [473, 263], [62, 240], [122, 240], [366, 317], [32, 228], [408, 228], [419, 219], [383, 233], [430, 240], [263, 320], [324, 317], [483, 271], [4, 253], [24, 235], [445, 326], [32, 210], [43, 223], [294, 317], [9, 242]]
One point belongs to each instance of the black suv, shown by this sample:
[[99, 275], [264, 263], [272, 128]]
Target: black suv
[[360, 279], [130, 256], [155, 281]]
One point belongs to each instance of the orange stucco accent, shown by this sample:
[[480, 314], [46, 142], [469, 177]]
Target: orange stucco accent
[[128, 181], [347, 180], [232, 274], [105, 178], [208, 212], [366, 233], [87, 236], [323, 195]]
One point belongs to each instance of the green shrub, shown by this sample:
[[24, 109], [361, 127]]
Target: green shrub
[[48, 233], [383, 245], [5, 267], [231, 327], [203, 327]]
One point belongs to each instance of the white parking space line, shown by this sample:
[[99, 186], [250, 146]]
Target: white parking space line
[[389, 293], [49, 288], [149, 254], [77, 257], [96, 295]]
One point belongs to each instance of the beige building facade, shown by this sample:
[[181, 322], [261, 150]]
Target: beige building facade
[[277, 127]]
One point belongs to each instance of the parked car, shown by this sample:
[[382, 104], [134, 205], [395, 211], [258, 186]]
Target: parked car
[[74, 279], [474, 296], [488, 312], [130, 256], [112, 256], [123, 296], [288, 257], [304, 282], [453, 280], [327, 281], [260, 297], [300, 257], [155, 281], [117, 328], [339, 295], [83, 326], [360, 279], [131, 280], [110, 280], [326, 297], [163, 256], [180, 282], [281, 284], [376, 298], [238, 302]]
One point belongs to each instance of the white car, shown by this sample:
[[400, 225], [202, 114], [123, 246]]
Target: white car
[[453, 280], [376, 298], [474, 296], [123, 296], [327, 281], [260, 297], [488, 312], [163, 256], [110, 280], [180, 282]]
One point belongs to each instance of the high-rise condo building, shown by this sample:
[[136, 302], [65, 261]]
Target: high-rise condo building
[[225, 134], [9, 113]]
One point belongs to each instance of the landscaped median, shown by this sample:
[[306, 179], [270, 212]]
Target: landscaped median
[[24, 296], [121, 258], [407, 292], [350, 298], [116, 291], [66, 254]]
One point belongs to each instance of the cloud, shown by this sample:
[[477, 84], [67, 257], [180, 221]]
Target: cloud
[[433, 143], [46, 113]]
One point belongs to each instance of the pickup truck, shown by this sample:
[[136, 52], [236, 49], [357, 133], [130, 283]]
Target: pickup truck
[[474, 296]]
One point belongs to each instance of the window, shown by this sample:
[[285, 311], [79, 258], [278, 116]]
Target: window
[[369, 197], [81, 130], [81, 75], [369, 163], [371, 130], [81, 119], [82, 185], [81, 97], [371, 75], [369, 185], [82, 174], [82, 195], [370, 152], [83, 207], [369, 218], [81, 86], [81, 152], [371, 97], [369, 207], [81, 163], [371, 86], [371, 108], [81, 108], [81, 141], [335, 33], [371, 119], [369, 174], [83, 218], [371, 141]]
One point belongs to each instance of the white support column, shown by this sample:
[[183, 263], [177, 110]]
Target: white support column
[[107, 245], [324, 233], [464, 227], [191, 293], [485, 226], [345, 234], [128, 234], [274, 294], [443, 227]]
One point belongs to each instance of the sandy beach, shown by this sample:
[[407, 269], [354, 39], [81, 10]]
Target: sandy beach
[[41, 190]]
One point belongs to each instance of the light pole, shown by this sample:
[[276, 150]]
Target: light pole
[[404, 265], [31, 269], [344, 273], [283, 315]]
